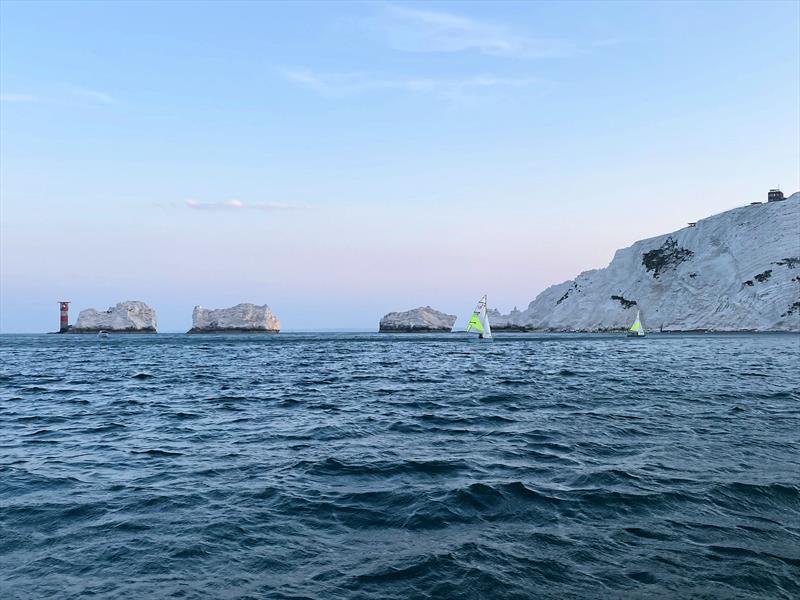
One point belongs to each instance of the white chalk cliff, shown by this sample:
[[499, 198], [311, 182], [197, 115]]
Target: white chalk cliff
[[735, 271], [126, 317], [422, 319], [242, 318]]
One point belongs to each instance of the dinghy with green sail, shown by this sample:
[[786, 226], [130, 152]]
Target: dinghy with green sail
[[479, 321], [636, 329]]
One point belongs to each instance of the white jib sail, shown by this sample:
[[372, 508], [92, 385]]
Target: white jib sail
[[486, 325]]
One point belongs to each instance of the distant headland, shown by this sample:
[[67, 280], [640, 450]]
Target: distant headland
[[734, 271]]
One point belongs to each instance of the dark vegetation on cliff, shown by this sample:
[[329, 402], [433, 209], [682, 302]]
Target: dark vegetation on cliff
[[624, 302], [566, 294], [790, 262], [794, 308], [762, 277], [668, 256]]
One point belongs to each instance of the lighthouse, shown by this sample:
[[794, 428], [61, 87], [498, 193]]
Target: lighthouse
[[64, 322]]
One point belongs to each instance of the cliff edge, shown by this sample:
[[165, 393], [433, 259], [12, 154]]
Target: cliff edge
[[735, 271]]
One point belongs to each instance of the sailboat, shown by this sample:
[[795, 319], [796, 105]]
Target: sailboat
[[636, 329], [479, 321]]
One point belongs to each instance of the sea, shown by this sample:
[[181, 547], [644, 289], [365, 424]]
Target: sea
[[369, 466]]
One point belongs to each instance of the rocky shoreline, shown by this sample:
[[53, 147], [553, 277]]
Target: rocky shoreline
[[195, 331], [649, 331], [413, 329], [84, 330]]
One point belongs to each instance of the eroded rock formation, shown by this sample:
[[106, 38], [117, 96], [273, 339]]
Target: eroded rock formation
[[419, 320], [131, 316], [242, 318]]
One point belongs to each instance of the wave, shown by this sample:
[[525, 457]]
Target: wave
[[239, 468], [157, 452], [336, 467]]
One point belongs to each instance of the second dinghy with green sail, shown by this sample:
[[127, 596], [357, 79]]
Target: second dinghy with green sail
[[479, 321], [636, 329]]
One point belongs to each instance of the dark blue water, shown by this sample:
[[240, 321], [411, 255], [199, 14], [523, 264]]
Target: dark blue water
[[366, 466]]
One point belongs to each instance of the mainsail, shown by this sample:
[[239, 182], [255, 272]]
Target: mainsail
[[479, 321], [637, 326]]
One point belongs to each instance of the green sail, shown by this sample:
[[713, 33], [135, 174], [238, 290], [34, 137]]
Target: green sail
[[636, 326], [475, 323]]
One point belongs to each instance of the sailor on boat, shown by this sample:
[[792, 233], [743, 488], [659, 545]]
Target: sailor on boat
[[479, 321]]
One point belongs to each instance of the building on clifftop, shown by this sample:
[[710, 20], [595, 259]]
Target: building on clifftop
[[775, 196]]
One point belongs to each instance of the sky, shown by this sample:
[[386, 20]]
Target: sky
[[338, 161]]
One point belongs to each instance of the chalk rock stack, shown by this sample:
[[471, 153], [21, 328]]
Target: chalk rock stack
[[242, 318], [131, 316], [419, 320]]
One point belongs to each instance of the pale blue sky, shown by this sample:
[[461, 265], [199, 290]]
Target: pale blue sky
[[341, 160]]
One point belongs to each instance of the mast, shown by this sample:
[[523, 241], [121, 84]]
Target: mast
[[485, 319]]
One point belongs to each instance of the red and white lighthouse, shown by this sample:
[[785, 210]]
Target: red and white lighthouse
[[64, 323]]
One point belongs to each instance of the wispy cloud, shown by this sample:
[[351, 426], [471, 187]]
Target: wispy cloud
[[17, 98], [235, 205], [418, 30], [348, 84], [91, 95], [66, 95]]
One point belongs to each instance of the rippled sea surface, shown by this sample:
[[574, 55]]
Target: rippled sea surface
[[368, 466]]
